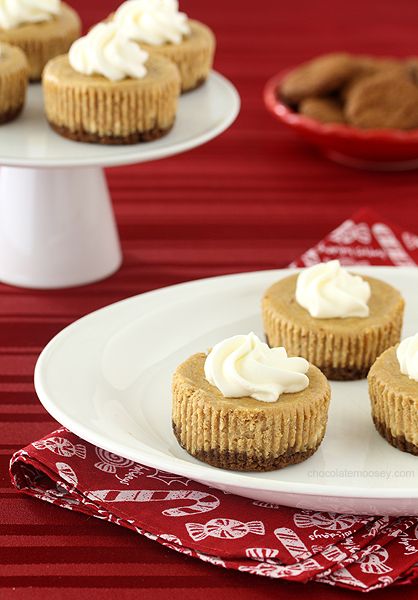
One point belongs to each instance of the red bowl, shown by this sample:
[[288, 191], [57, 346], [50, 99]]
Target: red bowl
[[378, 149]]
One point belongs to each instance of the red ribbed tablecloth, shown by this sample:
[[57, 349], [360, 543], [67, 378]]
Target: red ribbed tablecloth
[[253, 199]]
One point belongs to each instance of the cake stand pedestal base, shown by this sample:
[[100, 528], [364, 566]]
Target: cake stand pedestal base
[[57, 227]]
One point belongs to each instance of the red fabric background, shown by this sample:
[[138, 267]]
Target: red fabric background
[[254, 198]]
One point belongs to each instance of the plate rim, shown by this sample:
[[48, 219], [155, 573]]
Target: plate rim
[[202, 471]]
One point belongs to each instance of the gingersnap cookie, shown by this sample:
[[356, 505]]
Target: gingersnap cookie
[[367, 66], [372, 65], [42, 32], [13, 82], [383, 101], [338, 321], [393, 390], [108, 91], [254, 423], [412, 68], [325, 110], [161, 29], [319, 77]]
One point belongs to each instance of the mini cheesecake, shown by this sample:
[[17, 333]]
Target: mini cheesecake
[[92, 108], [244, 434], [161, 29], [394, 402], [193, 56], [13, 82], [343, 348]]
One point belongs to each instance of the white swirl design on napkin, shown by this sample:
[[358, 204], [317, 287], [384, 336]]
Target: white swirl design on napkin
[[18, 12], [244, 366], [328, 291], [154, 22], [407, 355], [106, 51]]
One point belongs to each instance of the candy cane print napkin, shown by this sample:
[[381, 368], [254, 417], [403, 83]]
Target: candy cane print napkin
[[364, 239], [356, 552], [361, 553]]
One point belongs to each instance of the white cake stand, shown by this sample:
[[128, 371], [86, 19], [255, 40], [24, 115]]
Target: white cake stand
[[57, 227]]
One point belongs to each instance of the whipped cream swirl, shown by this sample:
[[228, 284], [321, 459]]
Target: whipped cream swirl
[[244, 366], [154, 22], [328, 291], [18, 12], [106, 51], [407, 355]]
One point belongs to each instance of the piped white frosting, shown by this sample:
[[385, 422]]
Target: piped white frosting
[[245, 366], [328, 291], [154, 22], [19, 12], [106, 51], [407, 355]]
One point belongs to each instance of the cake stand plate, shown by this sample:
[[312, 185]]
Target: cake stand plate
[[57, 227]]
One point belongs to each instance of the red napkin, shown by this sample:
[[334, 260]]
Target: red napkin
[[365, 239], [356, 552]]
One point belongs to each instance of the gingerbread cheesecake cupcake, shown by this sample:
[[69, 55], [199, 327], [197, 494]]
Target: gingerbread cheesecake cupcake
[[109, 91], [393, 389], [247, 407], [159, 27], [339, 321], [13, 82], [42, 29]]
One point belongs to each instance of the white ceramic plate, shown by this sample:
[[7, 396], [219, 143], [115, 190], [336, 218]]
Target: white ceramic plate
[[202, 115], [107, 378]]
